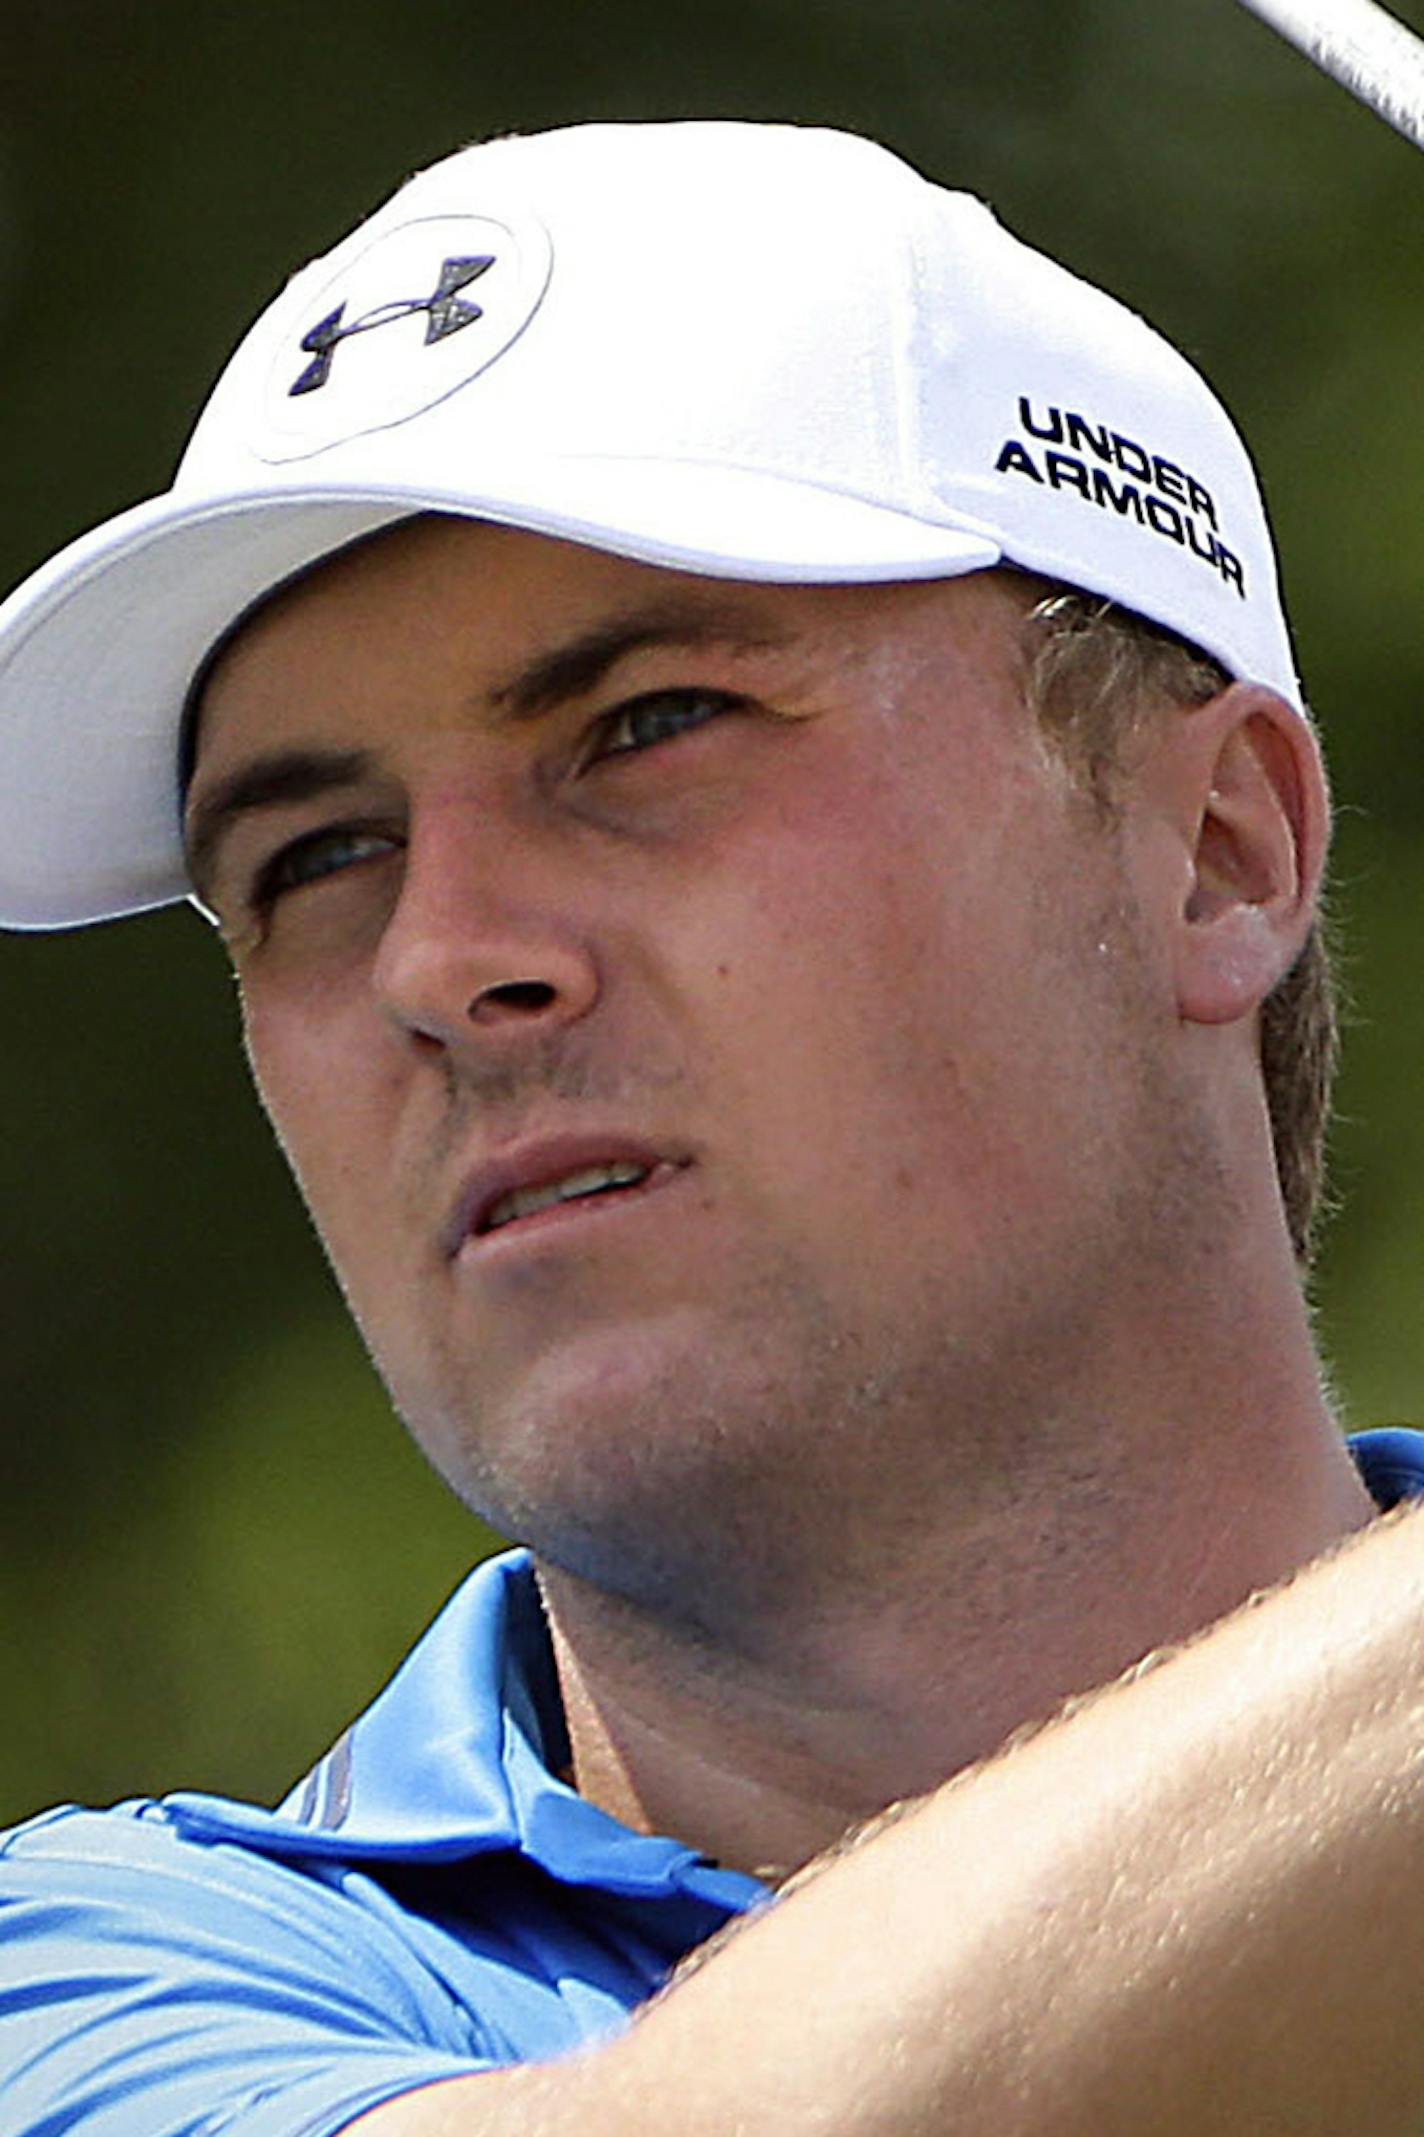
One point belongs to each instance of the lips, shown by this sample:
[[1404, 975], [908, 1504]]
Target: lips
[[531, 1179], [572, 1187]]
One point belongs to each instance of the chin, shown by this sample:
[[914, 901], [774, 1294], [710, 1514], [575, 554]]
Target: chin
[[642, 1477]]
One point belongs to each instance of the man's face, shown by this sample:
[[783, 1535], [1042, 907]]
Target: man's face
[[759, 921]]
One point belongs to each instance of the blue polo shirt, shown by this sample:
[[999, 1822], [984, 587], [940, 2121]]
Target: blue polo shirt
[[431, 1901]]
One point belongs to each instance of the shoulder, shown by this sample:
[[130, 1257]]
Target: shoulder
[[150, 1981], [433, 1900]]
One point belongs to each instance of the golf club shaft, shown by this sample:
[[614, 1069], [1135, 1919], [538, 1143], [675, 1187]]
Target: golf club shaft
[[1363, 47]]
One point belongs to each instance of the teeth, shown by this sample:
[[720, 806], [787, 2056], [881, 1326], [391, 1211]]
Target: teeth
[[591, 1181]]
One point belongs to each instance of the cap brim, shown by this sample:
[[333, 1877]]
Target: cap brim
[[98, 651]]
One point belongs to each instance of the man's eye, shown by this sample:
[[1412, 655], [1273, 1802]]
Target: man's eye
[[656, 717], [321, 853]]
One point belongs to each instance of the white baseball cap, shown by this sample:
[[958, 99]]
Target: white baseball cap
[[757, 352]]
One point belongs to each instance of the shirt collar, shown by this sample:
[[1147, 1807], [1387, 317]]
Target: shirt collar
[[460, 1756], [1391, 1461]]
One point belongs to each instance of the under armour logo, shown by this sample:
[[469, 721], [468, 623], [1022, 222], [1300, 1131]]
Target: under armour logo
[[446, 312]]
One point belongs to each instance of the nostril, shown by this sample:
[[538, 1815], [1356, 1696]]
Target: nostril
[[521, 996]]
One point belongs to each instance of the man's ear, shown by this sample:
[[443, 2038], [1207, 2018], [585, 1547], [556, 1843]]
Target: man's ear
[[1251, 802]]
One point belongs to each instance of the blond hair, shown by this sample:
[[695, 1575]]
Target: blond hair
[[1095, 675]]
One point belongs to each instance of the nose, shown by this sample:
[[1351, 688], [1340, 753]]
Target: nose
[[481, 950]]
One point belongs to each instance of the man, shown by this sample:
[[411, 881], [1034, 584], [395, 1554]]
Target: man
[[738, 729]]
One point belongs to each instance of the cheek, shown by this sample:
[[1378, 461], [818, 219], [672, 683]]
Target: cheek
[[863, 931], [823, 968], [327, 1092], [907, 1027]]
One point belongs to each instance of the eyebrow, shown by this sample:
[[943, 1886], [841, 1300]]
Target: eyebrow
[[568, 671], [288, 775], [578, 666]]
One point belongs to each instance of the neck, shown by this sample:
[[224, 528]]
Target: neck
[[762, 1742]]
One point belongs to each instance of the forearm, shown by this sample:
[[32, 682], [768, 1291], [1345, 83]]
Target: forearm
[[1175, 1910]]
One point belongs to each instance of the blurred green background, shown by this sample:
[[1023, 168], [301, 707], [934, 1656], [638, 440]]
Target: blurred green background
[[215, 1540]]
